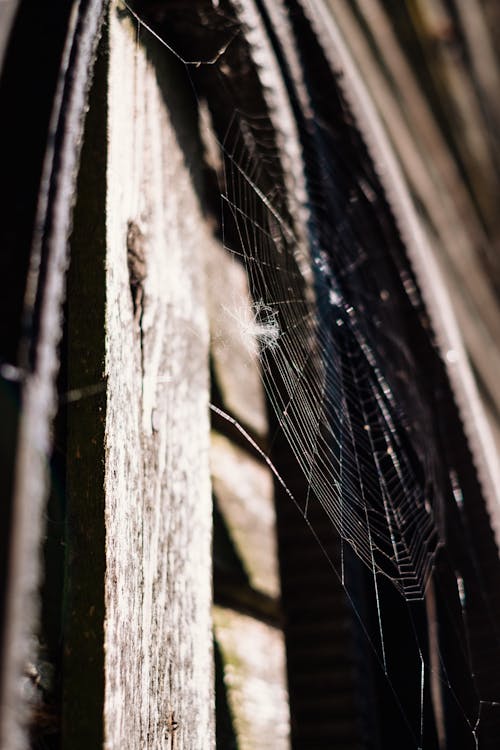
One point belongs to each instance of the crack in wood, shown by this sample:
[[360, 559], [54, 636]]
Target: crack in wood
[[172, 727], [136, 263], [137, 271]]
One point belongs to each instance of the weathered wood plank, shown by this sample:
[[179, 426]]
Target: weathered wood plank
[[159, 682], [254, 674], [244, 490]]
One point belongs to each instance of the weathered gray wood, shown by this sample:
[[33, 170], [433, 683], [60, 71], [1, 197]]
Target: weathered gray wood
[[255, 679], [245, 490], [158, 663]]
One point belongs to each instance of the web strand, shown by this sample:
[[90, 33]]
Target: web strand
[[344, 370]]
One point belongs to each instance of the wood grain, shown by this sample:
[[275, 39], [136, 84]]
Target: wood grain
[[158, 688]]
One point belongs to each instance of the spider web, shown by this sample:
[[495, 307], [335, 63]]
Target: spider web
[[349, 394], [325, 376], [350, 368]]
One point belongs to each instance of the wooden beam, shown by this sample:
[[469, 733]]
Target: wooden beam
[[159, 673], [139, 507]]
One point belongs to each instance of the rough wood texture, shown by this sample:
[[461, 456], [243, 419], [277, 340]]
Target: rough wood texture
[[158, 690]]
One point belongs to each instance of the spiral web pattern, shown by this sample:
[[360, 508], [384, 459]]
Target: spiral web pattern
[[351, 371], [326, 380]]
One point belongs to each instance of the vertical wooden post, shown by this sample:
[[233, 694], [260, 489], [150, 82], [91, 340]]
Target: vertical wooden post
[[156, 495], [158, 664]]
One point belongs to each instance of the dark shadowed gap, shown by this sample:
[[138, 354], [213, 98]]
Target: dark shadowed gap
[[82, 678], [28, 80], [225, 735]]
